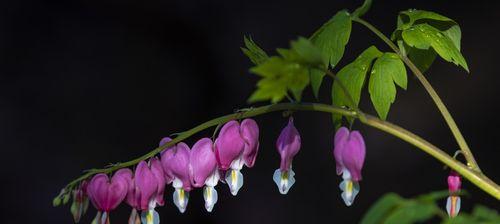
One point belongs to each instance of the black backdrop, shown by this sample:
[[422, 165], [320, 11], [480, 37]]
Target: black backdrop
[[86, 83]]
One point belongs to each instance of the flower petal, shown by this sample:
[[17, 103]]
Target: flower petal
[[181, 198], [150, 217], [178, 165], [354, 155], [166, 155], [341, 137], [234, 179], [454, 182], [146, 184], [250, 133], [229, 145], [157, 170], [210, 196], [350, 190], [288, 145], [284, 180], [203, 161], [453, 205]]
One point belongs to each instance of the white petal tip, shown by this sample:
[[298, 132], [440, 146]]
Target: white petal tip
[[181, 199], [284, 180], [453, 205], [150, 217], [210, 196], [234, 179], [350, 190]]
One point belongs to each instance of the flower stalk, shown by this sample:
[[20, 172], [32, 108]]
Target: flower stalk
[[478, 179]]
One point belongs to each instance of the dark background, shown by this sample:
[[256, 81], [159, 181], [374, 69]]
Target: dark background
[[86, 83]]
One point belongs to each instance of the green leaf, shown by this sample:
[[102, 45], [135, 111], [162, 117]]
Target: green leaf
[[353, 76], [423, 59], [279, 76], [455, 34], [424, 36], [308, 54], [363, 8], [412, 212], [381, 209], [387, 70], [331, 39], [253, 51], [412, 16], [485, 214]]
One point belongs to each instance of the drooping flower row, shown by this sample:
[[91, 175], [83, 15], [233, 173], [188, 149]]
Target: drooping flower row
[[205, 164]]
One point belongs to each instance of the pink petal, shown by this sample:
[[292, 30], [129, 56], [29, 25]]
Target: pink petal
[[229, 144], [165, 156], [288, 145], [339, 145], [203, 161], [157, 170], [178, 165], [354, 155], [454, 182], [146, 184], [250, 133]]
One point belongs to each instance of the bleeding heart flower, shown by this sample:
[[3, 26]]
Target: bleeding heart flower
[[288, 145], [192, 168], [453, 202], [235, 146], [349, 152], [107, 194], [146, 191], [204, 171]]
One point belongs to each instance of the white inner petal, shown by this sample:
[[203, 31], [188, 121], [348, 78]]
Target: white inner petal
[[348, 187], [210, 196], [238, 163], [453, 205], [181, 199], [150, 217], [177, 183], [213, 179], [284, 180], [234, 180]]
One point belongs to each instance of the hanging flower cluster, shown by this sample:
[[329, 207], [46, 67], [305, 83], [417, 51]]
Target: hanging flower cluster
[[205, 164]]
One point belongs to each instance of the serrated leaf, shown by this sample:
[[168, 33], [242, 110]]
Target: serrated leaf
[[424, 36], [279, 77], [353, 78], [331, 39], [455, 34], [412, 212], [308, 54], [253, 51], [381, 209], [387, 70], [363, 8], [412, 16]]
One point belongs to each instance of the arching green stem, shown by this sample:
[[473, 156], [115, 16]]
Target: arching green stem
[[478, 179], [471, 161]]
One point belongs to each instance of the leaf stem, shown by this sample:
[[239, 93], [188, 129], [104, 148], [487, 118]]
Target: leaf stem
[[476, 178], [361, 115], [471, 161]]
